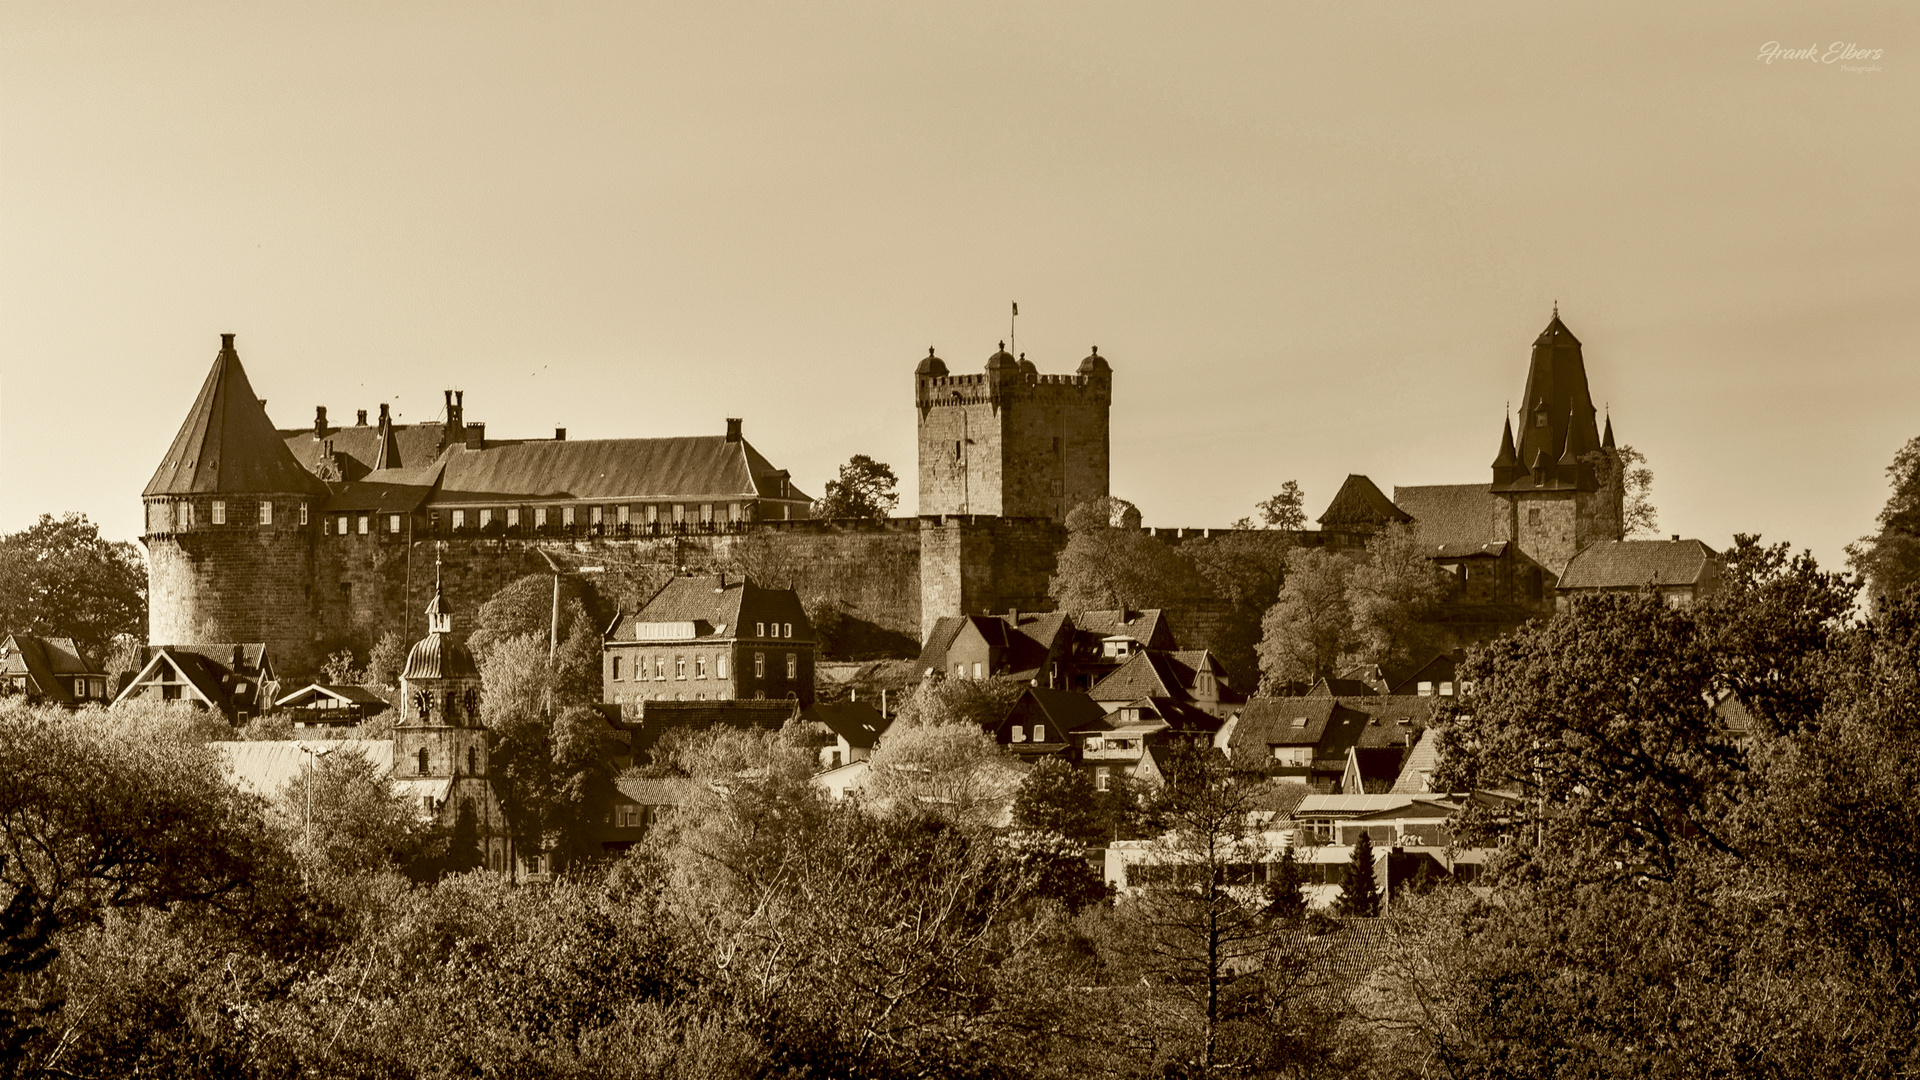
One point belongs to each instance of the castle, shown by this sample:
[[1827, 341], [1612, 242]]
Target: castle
[[311, 539]]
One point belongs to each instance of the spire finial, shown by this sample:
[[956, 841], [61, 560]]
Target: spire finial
[[1556, 307]]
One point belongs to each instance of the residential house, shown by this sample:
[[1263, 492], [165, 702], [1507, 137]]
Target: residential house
[[1310, 739], [333, 705], [1134, 738], [231, 679], [50, 669], [709, 637], [1681, 572], [1039, 723], [1194, 677], [646, 722], [845, 733], [638, 803], [1030, 647]]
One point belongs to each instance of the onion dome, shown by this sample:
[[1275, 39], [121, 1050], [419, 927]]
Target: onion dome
[[440, 656], [1002, 361], [932, 367], [1027, 367], [1094, 362]]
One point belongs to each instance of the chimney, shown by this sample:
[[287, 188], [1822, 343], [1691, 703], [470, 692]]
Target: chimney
[[362, 422], [477, 435], [1013, 615], [733, 429], [226, 342], [559, 434], [385, 417], [1676, 538], [319, 421]]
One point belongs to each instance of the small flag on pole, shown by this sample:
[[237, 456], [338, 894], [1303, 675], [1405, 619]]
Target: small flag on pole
[[1016, 307]]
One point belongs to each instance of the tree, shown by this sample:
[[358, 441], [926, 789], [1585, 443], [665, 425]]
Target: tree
[[1309, 631], [1110, 563], [1285, 900], [1889, 560], [1055, 797], [1391, 593], [348, 822], [59, 578], [386, 661], [1359, 891], [863, 490], [1285, 511], [941, 699], [1246, 568], [102, 812], [525, 608], [1624, 472], [950, 770], [549, 756]]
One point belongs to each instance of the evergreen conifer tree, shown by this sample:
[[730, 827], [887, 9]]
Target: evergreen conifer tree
[[1359, 895], [1285, 901]]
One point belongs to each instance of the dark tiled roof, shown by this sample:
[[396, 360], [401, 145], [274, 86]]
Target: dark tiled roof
[[440, 656], [1149, 627], [1342, 688], [859, 723], [1628, 564], [1379, 767], [729, 606], [658, 791], [1439, 669], [389, 491], [46, 658], [1450, 514], [1146, 674], [1332, 725], [352, 692], [227, 445], [410, 446], [252, 654], [689, 467], [1360, 502], [1063, 710]]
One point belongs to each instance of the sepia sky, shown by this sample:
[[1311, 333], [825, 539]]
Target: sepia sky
[[1311, 239]]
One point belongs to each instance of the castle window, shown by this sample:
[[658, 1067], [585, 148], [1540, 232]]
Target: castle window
[[1533, 515], [721, 667], [450, 704], [700, 666], [266, 513], [1056, 445], [789, 632], [363, 524], [342, 519], [733, 513], [759, 665], [303, 513], [1540, 421], [393, 524], [422, 761], [653, 514], [679, 667], [956, 449], [219, 516], [793, 666], [186, 516], [593, 515], [615, 662], [539, 517], [706, 513], [759, 629], [472, 759]]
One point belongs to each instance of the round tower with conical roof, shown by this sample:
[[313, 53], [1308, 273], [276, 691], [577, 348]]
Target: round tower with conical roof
[[231, 524]]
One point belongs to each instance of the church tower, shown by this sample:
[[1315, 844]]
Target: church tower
[[1556, 486], [1012, 442], [439, 742], [231, 524]]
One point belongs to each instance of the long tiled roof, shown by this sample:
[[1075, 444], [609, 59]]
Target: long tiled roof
[[1330, 725], [45, 658], [1149, 627], [1422, 760], [409, 446], [689, 467], [1146, 674], [1628, 564], [856, 721], [227, 444], [266, 767], [1449, 513]]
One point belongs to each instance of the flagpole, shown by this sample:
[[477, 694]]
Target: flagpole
[[1014, 338]]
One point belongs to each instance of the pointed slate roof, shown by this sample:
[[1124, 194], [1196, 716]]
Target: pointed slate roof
[[1556, 414], [1508, 458], [227, 445], [1360, 503]]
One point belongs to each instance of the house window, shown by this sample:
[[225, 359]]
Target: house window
[[626, 514], [219, 516], [342, 519], [566, 516], [1426, 689], [539, 517], [700, 666], [486, 517], [1039, 733], [793, 666], [679, 513], [266, 513], [1019, 734], [759, 665], [422, 761], [721, 665], [836, 759], [303, 513], [363, 524], [1446, 689], [759, 629], [659, 668], [976, 669], [788, 632], [1102, 778], [459, 519], [959, 671], [679, 667], [616, 667], [393, 524], [1094, 744], [513, 517]]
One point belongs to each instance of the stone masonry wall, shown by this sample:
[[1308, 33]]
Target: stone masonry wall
[[237, 583]]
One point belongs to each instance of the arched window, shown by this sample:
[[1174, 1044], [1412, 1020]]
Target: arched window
[[451, 701], [472, 758], [423, 761]]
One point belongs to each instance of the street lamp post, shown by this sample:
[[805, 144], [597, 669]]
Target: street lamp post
[[306, 824]]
